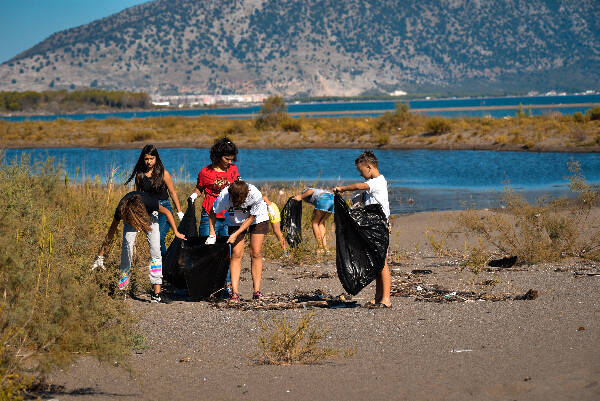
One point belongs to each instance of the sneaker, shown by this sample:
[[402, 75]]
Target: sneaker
[[159, 298], [257, 295]]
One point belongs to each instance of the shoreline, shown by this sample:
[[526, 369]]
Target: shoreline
[[406, 147]]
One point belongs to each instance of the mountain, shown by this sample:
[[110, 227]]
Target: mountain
[[322, 47]]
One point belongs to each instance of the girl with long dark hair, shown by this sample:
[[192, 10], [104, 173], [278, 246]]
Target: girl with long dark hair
[[151, 177]]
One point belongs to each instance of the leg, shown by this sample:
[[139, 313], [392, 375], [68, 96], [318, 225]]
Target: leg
[[383, 286], [256, 243], [164, 226], [316, 218], [203, 228], [155, 268], [221, 230], [235, 265], [279, 235], [129, 234], [322, 228]]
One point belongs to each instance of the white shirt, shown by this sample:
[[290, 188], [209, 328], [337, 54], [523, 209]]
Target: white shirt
[[378, 193], [253, 205]]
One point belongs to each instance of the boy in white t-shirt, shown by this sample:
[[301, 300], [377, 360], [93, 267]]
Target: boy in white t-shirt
[[375, 191]]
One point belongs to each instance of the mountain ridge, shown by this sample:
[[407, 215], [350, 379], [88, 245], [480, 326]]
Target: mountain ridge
[[321, 47]]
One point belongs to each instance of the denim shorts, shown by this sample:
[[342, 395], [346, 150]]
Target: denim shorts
[[325, 202]]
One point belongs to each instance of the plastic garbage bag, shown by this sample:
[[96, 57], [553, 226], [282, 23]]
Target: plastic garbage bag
[[291, 222], [206, 266], [362, 240], [173, 264]]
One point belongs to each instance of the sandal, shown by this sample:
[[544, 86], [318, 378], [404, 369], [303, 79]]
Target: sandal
[[234, 298], [378, 305], [257, 295]]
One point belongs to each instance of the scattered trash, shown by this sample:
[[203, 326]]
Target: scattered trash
[[297, 300], [580, 328], [435, 293], [506, 262], [458, 351], [421, 271], [589, 274], [531, 294], [291, 222], [186, 359], [362, 241], [527, 379]]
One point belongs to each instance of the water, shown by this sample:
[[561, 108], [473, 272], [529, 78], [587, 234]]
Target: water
[[419, 180], [375, 108]]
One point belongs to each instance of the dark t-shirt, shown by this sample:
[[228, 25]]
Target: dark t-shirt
[[146, 186], [151, 202]]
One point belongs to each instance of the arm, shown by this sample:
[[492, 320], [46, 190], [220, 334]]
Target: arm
[[247, 223], [167, 213], [171, 188], [352, 187], [109, 236], [304, 194]]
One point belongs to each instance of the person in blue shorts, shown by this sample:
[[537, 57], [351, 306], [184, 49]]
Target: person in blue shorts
[[323, 202]]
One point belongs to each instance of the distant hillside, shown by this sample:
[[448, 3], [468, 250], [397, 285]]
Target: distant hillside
[[322, 47]]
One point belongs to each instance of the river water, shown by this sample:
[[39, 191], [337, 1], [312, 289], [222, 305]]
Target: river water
[[419, 180], [494, 107]]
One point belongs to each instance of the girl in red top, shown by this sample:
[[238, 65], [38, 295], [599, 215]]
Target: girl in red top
[[212, 179]]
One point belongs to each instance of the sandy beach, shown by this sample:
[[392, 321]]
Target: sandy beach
[[456, 349]]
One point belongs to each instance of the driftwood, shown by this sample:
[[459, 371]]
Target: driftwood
[[316, 299]]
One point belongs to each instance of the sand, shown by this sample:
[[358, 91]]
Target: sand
[[541, 349]]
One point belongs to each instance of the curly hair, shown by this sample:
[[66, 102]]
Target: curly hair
[[367, 157], [134, 213], [238, 192], [223, 147]]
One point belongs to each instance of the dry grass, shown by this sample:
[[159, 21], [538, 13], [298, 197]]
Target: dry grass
[[395, 130], [549, 230], [52, 307], [282, 344]]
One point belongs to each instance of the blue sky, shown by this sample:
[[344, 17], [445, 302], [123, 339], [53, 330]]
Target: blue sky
[[24, 23]]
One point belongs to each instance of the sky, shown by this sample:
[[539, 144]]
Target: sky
[[25, 23]]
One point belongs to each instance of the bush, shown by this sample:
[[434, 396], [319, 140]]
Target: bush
[[291, 124], [438, 126], [284, 345], [593, 114], [272, 112], [546, 231], [53, 307]]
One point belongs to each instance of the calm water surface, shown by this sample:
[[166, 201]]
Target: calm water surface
[[433, 180]]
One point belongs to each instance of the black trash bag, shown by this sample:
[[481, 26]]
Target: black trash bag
[[206, 266], [362, 240], [173, 264], [291, 222]]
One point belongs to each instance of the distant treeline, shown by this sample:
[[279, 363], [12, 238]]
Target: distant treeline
[[62, 100]]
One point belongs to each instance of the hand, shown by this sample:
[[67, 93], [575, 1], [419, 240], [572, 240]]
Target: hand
[[193, 196], [180, 215], [180, 236], [337, 189], [232, 238], [99, 262], [297, 197], [212, 239]]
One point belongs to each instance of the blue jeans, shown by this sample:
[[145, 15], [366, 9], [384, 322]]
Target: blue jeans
[[163, 225], [221, 230], [220, 226]]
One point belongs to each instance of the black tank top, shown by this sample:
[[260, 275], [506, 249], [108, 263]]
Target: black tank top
[[146, 186]]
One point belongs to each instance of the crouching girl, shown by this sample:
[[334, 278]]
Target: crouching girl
[[139, 212], [247, 213]]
